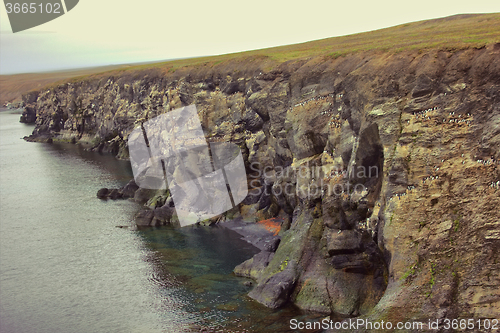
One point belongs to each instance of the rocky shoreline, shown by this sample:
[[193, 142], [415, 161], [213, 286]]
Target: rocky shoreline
[[379, 167], [159, 210], [14, 105]]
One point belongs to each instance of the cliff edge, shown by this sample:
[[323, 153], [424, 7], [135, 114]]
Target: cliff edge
[[383, 166]]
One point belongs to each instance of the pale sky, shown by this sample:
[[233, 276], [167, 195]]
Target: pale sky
[[103, 32]]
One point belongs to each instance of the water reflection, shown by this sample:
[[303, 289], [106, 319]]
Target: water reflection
[[197, 263], [66, 267], [120, 170]]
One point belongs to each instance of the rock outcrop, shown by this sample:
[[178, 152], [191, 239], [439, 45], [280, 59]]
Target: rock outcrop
[[384, 167]]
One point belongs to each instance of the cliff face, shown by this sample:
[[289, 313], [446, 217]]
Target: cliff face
[[384, 168]]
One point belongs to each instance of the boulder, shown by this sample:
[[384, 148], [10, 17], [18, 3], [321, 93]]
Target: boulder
[[114, 194], [164, 213], [144, 218], [142, 195], [424, 86], [253, 122], [253, 267], [355, 263], [128, 191], [343, 241], [273, 244], [103, 193], [275, 291]]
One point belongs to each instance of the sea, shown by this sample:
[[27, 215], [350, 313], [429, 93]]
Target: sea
[[70, 262]]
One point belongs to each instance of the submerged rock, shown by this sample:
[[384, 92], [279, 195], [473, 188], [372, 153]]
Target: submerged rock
[[103, 193]]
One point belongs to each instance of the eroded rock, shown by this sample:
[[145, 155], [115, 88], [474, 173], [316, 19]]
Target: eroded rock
[[427, 123]]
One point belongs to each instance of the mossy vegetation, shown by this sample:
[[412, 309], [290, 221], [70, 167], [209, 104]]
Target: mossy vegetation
[[432, 270], [284, 264], [408, 273]]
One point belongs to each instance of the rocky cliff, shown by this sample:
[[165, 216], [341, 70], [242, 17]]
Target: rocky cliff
[[383, 167]]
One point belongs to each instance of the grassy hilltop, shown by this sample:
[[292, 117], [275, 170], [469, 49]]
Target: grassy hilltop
[[450, 33]]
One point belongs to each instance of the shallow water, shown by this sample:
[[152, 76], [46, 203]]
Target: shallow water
[[66, 267]]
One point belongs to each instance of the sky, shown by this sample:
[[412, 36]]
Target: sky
[[104, 32]]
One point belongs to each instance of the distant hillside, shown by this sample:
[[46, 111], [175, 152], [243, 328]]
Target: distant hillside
[[449, 33], [13, 86]]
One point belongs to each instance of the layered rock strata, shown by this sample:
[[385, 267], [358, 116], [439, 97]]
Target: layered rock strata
[[384, 168]]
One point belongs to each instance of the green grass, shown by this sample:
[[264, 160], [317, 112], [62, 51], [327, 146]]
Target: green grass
[[447, 34], [432, 281], [452, 33], [409, 272], [432, 270]]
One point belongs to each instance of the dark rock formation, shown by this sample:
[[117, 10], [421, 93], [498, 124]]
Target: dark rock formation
[[103, 193], [115, 194], [28, 116], [253, 267], [275, 291], [164, 214], [142, 195], [144, 218], [272, 246], [128, 191]]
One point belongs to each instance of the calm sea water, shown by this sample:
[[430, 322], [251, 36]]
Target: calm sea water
[[66, 267]]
